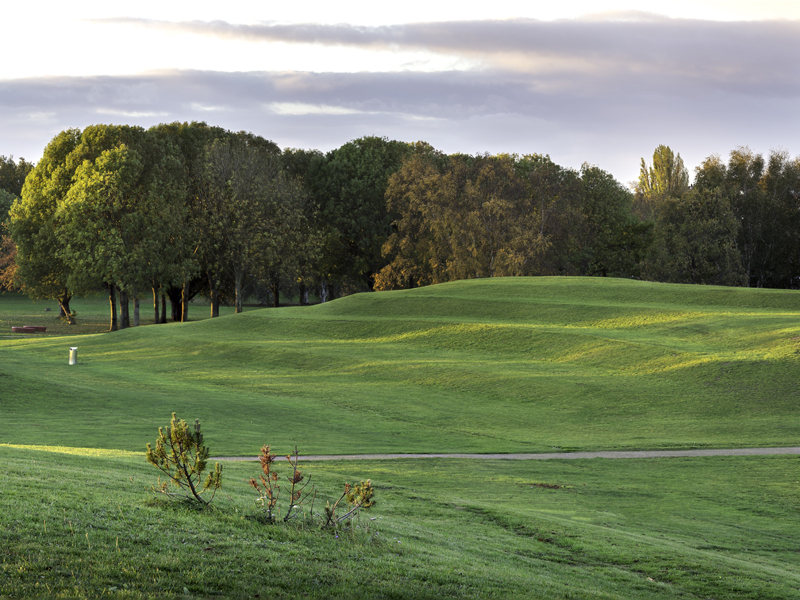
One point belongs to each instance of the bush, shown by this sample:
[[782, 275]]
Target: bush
[[357, 496], [182, 456]]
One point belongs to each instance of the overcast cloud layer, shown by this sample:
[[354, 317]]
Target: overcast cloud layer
[[604, 91]]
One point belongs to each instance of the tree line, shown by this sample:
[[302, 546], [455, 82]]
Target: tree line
[[187, 209]]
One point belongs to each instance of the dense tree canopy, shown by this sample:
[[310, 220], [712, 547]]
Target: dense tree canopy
[[466, 216], [695, 241], [13, 174], [349, 187], [763, 195], [186, 208]]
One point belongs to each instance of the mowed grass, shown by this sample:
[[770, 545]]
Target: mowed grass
[[486, 366], [500, 365], [81, 526]]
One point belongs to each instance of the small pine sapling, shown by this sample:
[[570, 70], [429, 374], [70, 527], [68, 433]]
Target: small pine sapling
[[296, 497], [267, 488], [181, 455], [358, 496]]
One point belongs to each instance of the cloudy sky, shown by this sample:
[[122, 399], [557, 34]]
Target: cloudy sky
[[598, 82]]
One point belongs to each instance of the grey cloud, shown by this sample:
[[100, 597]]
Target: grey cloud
[[477, 111], [658, 52]]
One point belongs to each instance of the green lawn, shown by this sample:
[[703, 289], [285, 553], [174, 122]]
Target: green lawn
[[724, 527], [499, 365], [502, 365]]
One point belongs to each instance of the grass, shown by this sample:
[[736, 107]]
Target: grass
[[76, 525], [505, 365], [93, 314], [484, 366]]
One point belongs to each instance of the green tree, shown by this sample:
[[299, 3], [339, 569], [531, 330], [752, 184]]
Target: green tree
[[666, 177], [464, 216], [33, 225], [762, 195], [350, 191], [6, 200], [780, 186], [695, 241], [121, 216], [252, 213], [613, 240], [13, 174]]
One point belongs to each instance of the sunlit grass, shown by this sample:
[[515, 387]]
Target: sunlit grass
[[530, 365], [481, 366], [75, 451]]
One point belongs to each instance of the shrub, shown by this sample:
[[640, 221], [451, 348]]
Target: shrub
[[182, 456], [357, 496], [269, 490]]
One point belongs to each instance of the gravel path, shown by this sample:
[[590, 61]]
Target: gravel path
[[547, 456]]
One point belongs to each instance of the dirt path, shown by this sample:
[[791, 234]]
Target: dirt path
[[548, 456]]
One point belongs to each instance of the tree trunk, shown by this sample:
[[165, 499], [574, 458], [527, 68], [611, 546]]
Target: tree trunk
[[323, 290], [214, 287], [303, 295], [276, 295], [175, 294], [135, 307], [163, 308], [112, 301], [185, 302], [156, 312], [63, 304], [238, 301], [124, 310]]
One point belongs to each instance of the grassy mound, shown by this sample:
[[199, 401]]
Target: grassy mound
[[500, 365]]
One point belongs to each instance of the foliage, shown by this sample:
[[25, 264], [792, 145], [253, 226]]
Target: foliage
[[34, 227], [182, 456], [764, 198], [349, 188], [358, 496], [667, 177], [464, 217], [6, 200], [12, 175], [695, 241], [8, 267], [251, 214]]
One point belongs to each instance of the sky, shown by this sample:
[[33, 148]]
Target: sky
[[596, 82]]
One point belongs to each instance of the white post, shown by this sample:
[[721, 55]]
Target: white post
[[73, 356]]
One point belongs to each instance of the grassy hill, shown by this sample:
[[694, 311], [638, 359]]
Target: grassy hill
[[487, 366], [500, 365]]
